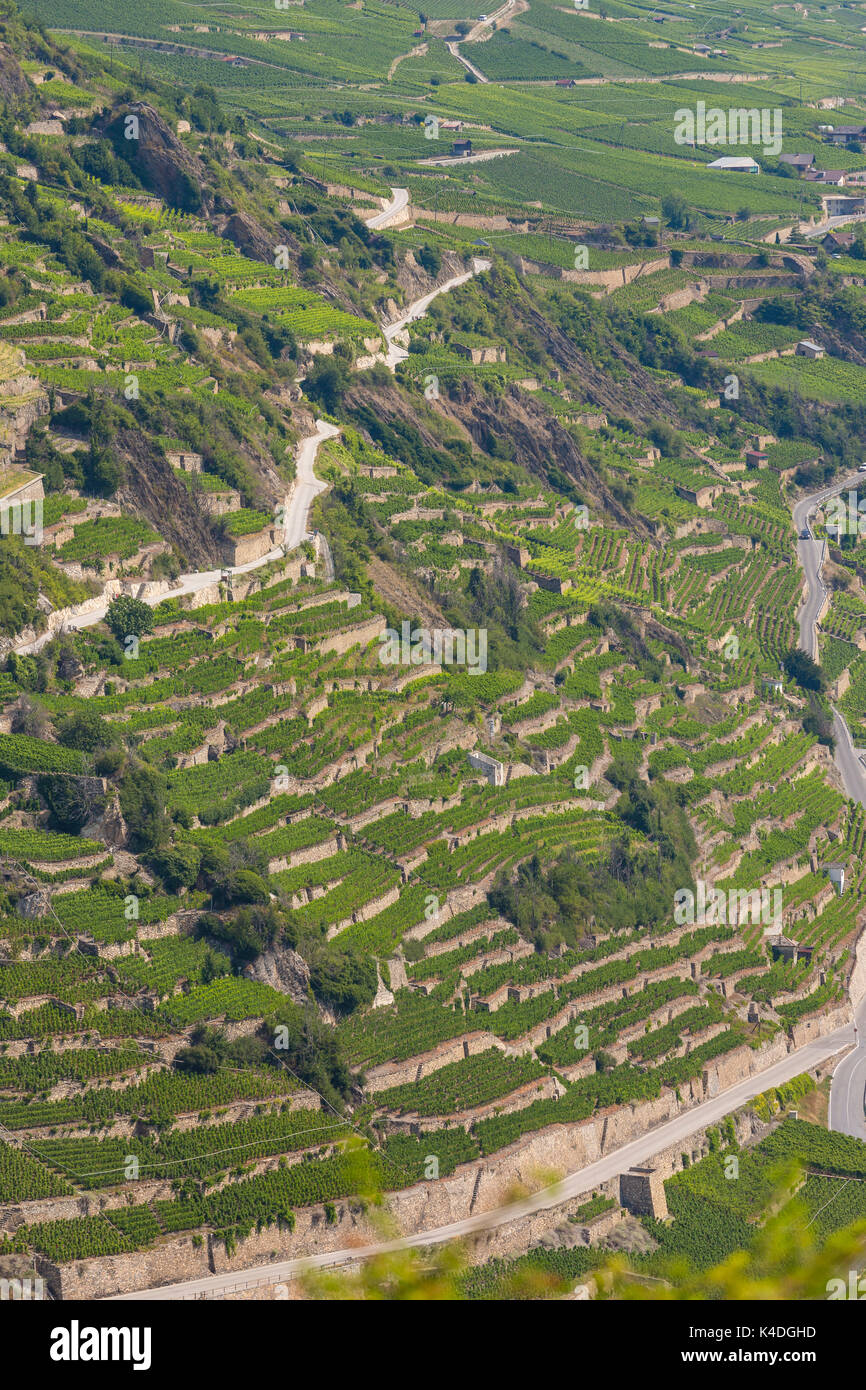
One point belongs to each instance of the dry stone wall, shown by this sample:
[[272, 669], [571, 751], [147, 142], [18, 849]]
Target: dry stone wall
[[472, 1190]]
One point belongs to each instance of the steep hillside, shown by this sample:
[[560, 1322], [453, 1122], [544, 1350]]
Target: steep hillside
[[412, 777]]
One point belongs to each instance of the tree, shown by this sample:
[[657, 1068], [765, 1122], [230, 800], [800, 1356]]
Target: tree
[[803, 670], [429, 257], [31, 718], [326, 381], [248, 933], [858, 246], [135, 298], [129, 617], [103, 472], [199, 1059], [343, 978], [675, 210], [242, 886], [311, 1050], [72, 801], [86, 730], [41, 455], [177, 865], [143, 793]]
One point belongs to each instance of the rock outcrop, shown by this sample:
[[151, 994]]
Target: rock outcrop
[[165, 166], [13, 83], [282, 969], [35, 904], [110, 827], [250, 237]]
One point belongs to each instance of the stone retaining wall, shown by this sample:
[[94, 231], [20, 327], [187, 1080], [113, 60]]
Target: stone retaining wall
[[472, 1189]]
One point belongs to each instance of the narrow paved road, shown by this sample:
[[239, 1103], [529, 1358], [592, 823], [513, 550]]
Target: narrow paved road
[[445, 161], [830, 223], [575, 1184], [846, 1112], [811, 553], [455, 53], [847, 759], [848, 1088], [417, 310], [307, 487], [399, 202], [849, 1083]]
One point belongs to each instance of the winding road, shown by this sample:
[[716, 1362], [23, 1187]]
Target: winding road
[[297, 510], [305, 489], [846, 1110], [829, 224], [307, 486], [849, 1081], [395, 353], [848, 1088], [453, 49], [812, 553], [398, 203], [846, 1113]]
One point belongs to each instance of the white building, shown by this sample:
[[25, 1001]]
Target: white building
[[738, 164]]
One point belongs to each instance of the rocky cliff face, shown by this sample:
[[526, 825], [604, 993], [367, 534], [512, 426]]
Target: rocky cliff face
[[109, 827], [151, 148], [13, 83], [250, 237], [154, 489], [850, 345], [539, 441], [23, 398], [282, 969]]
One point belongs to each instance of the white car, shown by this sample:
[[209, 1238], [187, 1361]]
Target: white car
[[862, 468]]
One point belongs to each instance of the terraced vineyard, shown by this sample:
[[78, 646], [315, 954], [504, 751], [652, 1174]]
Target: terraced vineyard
[[406, 866], [409, 780]]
